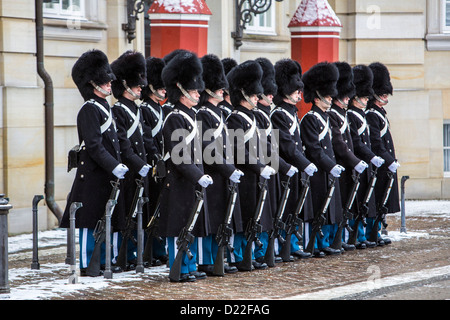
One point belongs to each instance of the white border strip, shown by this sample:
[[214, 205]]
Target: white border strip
[[316, 29], [178, 16], [367, 286], [316, 36]]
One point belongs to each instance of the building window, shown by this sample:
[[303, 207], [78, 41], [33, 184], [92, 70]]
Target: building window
[[263, 23], [65, 9], [446, 19], [447, 148]]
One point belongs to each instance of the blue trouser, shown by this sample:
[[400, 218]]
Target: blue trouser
[[261, 251], [131, 247], [328, 231], [295, 245], [238, 242], [207, 250], [370, 225], [187, 265], [87, 244], [361, 231]]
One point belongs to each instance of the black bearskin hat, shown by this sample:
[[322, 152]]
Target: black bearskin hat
[[381, 79], [245, 76], [345, 85], [268, 80], [93, 66], [288, 77], [172, 54], [363, 80], [154, 68], [213, 75], [186, 69], [129, 67], [322, 78], [228, 64]]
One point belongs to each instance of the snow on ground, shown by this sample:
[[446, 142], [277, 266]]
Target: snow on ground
[[47, 282]]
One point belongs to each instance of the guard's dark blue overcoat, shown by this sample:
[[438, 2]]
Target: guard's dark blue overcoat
[[283, 117], [321, 153], [98, 158], [362, 148], [218, 163], [246, 158], [184, 169], [383, 146]]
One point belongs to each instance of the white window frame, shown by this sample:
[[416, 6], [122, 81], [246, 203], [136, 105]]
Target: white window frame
[[59, 13], [438, 33], [445, 15], [446, 173], [255, 27]]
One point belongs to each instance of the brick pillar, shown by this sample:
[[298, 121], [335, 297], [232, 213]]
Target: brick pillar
[[180, 26], [315, 31]]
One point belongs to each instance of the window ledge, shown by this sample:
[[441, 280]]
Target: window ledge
[[438, 42], [73, 30]]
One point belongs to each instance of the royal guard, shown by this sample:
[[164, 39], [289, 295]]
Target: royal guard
[[320, 86], [245, 86], [99, 157], [185, 179], [262, 112], [343, 145], [130, 71], [153, 95], [359, 129], [225, 105], [217, 160], [382, 142], [284, 117]]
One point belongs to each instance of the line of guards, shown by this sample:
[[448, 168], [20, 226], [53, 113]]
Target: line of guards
[[231, 129]]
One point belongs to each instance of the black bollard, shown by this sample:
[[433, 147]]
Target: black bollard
[[35, 262], [4, 210], [73, 278], [140, 236], [403, 217]]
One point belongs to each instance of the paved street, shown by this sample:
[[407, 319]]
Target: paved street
[[414, 267]]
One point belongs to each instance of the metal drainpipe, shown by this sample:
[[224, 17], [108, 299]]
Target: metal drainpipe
[[49, 136]]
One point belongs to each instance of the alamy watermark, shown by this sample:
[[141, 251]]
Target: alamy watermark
[[210, 147]]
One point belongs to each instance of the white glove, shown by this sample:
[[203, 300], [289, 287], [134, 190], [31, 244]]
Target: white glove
[[311, 169], [144, 170], [267, 172], [236, 175], [393, 167], [337, 170], [120, 171], [377, 161], [293, 170], [360, 167], [205, 181]]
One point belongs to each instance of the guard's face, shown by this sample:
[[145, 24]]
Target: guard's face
[[296, 95], [106, 87], [385, 98], [363, 104], [254, 98], [162, 93]]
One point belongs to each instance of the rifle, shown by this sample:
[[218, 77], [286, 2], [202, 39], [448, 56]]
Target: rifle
[[278, 225], [254, 228], [185, 238], [224, 232], [346, 214], [319, 217], [151, 231], [294, 221], [127, 233], [99, 232], [382, 209], [364, 210]]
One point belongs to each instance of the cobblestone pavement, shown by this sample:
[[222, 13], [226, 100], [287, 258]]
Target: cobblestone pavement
[[295, 279]]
